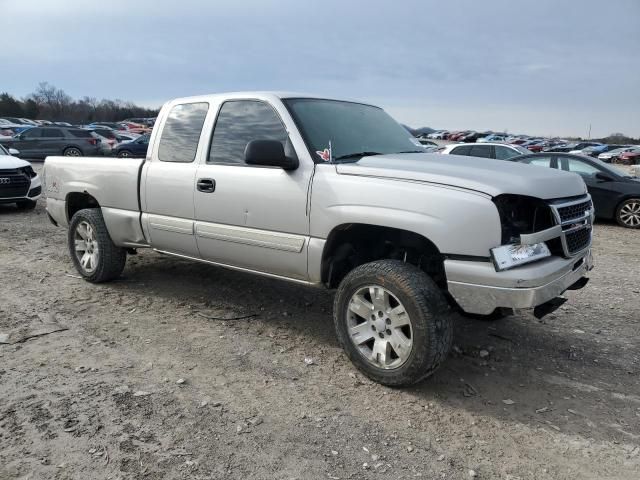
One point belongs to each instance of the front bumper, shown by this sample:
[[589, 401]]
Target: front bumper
[[479, 289]]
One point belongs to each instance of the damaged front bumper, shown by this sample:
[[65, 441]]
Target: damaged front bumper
[[479, 289]]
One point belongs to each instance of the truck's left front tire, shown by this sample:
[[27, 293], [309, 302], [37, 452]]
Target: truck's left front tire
[[94, 255], [393, 322]]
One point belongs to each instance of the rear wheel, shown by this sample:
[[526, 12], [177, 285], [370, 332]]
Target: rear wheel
[[628, 213], [393, 322], [94, 255], [124, 154], [26, 204], [72, 152]]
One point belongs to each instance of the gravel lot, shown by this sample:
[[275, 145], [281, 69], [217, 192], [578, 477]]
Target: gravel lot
[[143, 384]]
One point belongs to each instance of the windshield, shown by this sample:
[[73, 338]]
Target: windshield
[[608, 167], [352, 130]]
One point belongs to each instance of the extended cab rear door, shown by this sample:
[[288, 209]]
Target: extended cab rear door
[[168, 180], [247, 216]]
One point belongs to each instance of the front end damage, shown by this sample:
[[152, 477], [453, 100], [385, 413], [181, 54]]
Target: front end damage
[[546, 250]]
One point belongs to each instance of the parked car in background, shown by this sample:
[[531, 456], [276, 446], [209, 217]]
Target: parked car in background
[[126, 136], [630, 158], [568, 147], [492, 138], [135, 149], [613, 155], [19, 183], [111, 125], [615, 193], [40, 142], [595, 150], [498, 151], [6, 124]]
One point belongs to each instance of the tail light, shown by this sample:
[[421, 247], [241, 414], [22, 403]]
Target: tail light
[[93, 141]]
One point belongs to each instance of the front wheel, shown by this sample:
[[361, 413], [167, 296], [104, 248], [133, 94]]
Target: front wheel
[[94, 255], [124, 154], [393, 322], [628, 213]]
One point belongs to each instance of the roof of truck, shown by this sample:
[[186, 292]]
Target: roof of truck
[[264, 95]]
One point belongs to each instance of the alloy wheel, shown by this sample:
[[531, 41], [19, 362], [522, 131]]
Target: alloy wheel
[[630, 213], [86, 247], [379, 326]]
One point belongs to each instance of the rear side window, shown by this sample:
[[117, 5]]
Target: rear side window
[[461, 150], [181, 132], [480, 151], [505, 153], [239, 122], [52, 133], [81, 133]]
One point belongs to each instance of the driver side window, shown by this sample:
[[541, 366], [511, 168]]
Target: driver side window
[[239, 122], [32, 133]]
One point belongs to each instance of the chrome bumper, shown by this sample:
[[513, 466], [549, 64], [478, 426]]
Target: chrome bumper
[[479, 289]]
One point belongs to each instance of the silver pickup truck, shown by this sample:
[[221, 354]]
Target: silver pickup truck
[[336, 194]]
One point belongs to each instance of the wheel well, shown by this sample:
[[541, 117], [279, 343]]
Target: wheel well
[[354, 244], [77, 201]]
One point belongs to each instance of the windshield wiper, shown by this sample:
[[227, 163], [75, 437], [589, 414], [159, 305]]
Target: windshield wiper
[[412, 151], [355, 155]]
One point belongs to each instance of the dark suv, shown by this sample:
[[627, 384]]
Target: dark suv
[[40, 142]]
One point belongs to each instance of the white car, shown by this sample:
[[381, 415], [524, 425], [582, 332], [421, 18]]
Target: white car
[[499, 151], [19, 183]]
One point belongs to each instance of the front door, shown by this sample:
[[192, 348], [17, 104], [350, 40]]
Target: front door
[[28, 142], [249, 216]]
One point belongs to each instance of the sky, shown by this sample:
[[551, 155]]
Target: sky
[[543, 67]]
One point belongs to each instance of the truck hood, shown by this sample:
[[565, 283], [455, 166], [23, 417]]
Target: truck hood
[[493, 177], [10, 162]]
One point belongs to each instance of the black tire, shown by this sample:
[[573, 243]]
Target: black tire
[[26, 204], [430, 317], [124, 154], [72, 152], [628, 213], [110, 258]]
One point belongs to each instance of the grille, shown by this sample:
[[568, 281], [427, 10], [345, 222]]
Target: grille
[[18, 186], [578, 240], [571, 212], [575, 219], [9, 171]]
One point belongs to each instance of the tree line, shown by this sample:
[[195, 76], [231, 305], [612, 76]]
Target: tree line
[[48, 102]]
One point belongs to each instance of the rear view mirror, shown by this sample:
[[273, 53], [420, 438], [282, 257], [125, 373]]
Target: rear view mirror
[[603, 177], [269, 153]]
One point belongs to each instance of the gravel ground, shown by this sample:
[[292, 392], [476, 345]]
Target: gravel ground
[[149, 381]]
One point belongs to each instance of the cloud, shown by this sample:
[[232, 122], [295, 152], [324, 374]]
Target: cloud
[[464, 64]]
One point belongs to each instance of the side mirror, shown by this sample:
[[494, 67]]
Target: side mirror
[[14, 152], [269, 153], [603, 177]]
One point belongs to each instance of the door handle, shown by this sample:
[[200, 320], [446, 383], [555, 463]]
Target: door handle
[[206, 185]]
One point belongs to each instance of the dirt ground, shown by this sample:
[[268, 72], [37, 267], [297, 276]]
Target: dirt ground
[[142, 385]]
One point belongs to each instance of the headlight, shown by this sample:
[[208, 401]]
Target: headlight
[[509, 256]]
